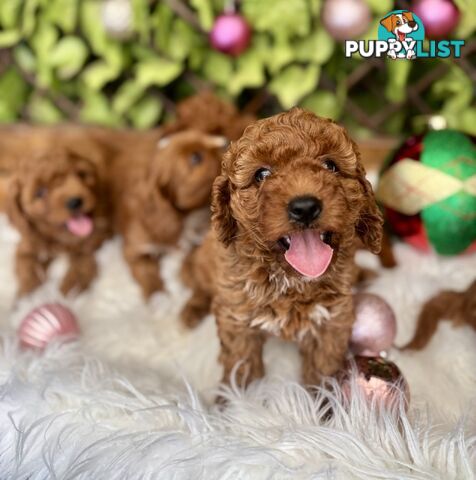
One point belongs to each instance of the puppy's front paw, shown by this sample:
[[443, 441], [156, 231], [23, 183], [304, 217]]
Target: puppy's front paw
[[392, 54], [411, 54]]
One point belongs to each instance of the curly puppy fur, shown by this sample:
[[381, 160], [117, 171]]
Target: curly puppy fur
[[240, 268], [63, 170], [208, 113], [460, 307], [157, 183]]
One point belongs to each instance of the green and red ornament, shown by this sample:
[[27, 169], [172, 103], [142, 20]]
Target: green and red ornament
[[428, 192]]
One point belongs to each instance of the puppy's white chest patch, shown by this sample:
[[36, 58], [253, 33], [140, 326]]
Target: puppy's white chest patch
[[290, 326]]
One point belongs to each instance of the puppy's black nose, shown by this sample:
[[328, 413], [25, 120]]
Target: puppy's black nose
[[74, 203], [411, 23], [304, 209]]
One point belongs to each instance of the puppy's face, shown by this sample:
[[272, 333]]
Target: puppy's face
[[293, 187], [58, 194], [185, 166]]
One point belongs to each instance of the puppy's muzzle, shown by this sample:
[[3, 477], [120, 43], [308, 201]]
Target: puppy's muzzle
[[74, 203], [304, 210]]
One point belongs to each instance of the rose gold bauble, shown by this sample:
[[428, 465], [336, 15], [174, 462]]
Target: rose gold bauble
[[374, 328], [377, 379], [346, 19], [47, 323]]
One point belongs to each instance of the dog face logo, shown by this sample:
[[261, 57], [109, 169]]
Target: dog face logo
[[404, 27], [400, 24]]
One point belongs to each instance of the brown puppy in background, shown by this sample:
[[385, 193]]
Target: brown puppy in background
[[58, 199], [157, 183], [287, 208], [459, 307], [208, 113]]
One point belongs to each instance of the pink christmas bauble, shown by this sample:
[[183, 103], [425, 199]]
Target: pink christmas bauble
[[439, 17], [47, 323], [377, 379], [346, 19], [375, 326], [230, 34]]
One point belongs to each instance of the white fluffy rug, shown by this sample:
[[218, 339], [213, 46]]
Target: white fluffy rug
[[132, 398]]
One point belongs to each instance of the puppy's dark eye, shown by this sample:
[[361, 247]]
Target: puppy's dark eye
[[196, 158], [330, 165], [398, 22], [41, 192], [261, 174]]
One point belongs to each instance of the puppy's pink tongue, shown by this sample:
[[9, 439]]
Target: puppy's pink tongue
[[308, 254], [81, 226]]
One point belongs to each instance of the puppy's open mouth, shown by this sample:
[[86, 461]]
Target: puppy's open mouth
[[308, 251], [401, 35], [80, 225]]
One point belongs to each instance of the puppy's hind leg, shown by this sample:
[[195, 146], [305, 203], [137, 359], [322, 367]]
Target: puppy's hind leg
[[143, 263], [198, 306]]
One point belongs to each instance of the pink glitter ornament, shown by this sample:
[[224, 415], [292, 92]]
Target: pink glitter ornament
[[47, 323], [230, 34], [378, 379], [439, 17], [375, 326]]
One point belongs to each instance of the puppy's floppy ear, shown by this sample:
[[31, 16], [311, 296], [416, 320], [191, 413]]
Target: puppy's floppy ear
[[222, 218], [14, 209], [408, 16], [388, 23], [369, 226]]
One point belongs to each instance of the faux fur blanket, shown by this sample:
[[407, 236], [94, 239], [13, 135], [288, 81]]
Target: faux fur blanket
[[132, 399]]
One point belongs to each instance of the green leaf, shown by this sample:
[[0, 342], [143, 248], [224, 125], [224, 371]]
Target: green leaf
[[68, 56], [141, 18], [397, 79], [63, 13], [98, 73], [146, 113], [127, 95], [162, 19], [281, 17], [93, 31], [467, 21], [182, 40], [24, 58], [323, 103], [455, 88], [42, 110], [280, 54], [317, 47], [157, 71], [380, 7], [10, 14], [293, 83], [205, 12], [96, 109], [218, 68], [249, 72], [42, 43], [9, 38], [13, 92], [30, 16]]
